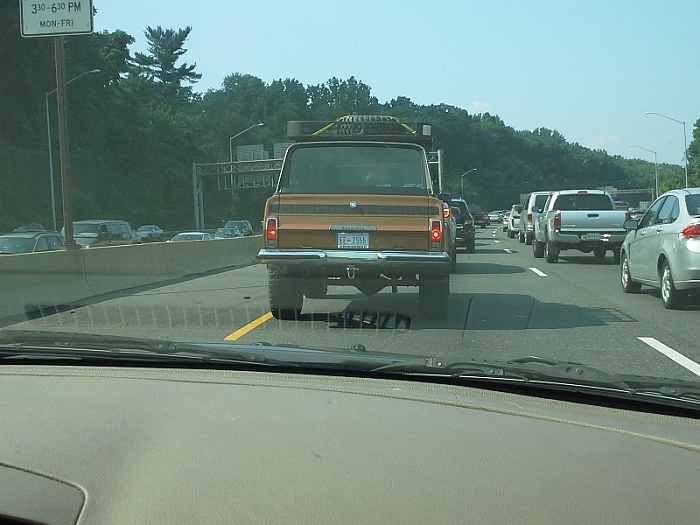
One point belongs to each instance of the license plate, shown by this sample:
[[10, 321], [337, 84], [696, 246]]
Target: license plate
[[590, 237], [353, 240]]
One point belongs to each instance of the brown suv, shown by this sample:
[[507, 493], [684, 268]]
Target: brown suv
[[355, 206]]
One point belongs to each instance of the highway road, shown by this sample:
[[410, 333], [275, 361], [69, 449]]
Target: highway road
[[504, 304]]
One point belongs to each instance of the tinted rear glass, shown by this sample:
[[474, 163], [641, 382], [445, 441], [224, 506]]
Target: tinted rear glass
[[540, 200], [692, 202], [583, 201], [355, 169]]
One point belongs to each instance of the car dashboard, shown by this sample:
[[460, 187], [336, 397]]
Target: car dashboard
[[143, 445]]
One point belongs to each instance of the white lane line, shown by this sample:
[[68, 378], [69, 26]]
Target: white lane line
[[497, 241], [507, 250], [672, 354], [541, 274]]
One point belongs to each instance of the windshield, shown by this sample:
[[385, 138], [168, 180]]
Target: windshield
[[86, 230], [179, 116]]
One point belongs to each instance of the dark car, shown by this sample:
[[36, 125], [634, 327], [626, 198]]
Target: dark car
[[150, 233], [481, 218], [243, 225], [465, 224], [33, 227], [31, 241]]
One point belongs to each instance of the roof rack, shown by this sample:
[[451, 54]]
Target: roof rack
[[361, 127]]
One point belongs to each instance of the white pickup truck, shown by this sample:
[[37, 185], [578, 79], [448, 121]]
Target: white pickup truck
[[584, 220]]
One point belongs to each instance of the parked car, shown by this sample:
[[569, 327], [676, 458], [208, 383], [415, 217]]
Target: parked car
[[151, 233], [465, 224], [102, 232], [663, 249], [243, 225], [30, 241], [192, 236], [33, 227], [514, 220], [528, 217], [227, 233]]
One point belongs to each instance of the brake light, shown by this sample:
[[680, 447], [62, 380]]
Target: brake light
[[557, 221], [436, 232], [271, 232], [691, 231], [529, 217]]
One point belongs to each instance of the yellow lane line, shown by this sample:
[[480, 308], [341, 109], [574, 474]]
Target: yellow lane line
[[247, 328]]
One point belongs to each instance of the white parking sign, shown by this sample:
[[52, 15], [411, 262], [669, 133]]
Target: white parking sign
[[55, 18]]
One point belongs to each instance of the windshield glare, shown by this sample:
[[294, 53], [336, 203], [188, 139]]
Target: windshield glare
[[181, 118]]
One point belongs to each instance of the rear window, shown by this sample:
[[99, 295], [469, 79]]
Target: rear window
[[540, 201], [355, 169], [692, 203], [583, 201], [461, 205]]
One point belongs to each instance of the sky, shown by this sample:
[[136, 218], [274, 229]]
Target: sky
[[589, 69]]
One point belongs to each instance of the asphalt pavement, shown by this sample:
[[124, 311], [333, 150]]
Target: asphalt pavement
[[504, 304]]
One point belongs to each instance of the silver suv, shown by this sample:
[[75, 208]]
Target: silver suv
[[528, 217]]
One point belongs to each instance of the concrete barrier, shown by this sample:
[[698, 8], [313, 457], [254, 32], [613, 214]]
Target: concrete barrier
[[43, 281]]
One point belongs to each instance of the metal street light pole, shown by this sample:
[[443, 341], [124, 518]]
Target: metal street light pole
[[656, 166], [230, 140], [685, 141], [48, 135], [462, 177]]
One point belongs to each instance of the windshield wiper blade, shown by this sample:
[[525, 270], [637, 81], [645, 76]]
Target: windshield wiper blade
[[36, 345], [539, 371]]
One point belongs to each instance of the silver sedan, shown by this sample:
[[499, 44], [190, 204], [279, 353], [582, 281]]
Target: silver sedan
[[662, 249]]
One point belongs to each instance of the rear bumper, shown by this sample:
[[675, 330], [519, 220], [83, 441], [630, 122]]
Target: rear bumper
[[408, 261], [607, 240]]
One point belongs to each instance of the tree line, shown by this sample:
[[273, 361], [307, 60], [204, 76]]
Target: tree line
[[138, 124]]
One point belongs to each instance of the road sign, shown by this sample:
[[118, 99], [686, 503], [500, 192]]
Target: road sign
[[55, 18]]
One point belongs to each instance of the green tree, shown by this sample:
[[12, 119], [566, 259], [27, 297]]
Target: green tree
[[165, 48]]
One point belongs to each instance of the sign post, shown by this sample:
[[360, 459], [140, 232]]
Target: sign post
[[59, 19]]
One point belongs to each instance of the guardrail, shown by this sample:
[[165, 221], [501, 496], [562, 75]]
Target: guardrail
[[44, 281]]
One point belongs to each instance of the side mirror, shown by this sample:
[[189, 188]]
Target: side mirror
[[445, 197], [631, 224]]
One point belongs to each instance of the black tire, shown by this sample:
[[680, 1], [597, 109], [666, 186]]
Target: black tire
[[628, 285], [537, 249], [521, 236], [433, 296], [551, 252], [528, 239], [286, 295], [670, 297], [616, 256], [470, 246], [599, 254]]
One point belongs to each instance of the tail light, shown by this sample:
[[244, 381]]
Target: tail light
[[557, 221], [436, 233], [271, 233], [692, 231], [529, 217], [446, 212], [468, 219], [628, 216]]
